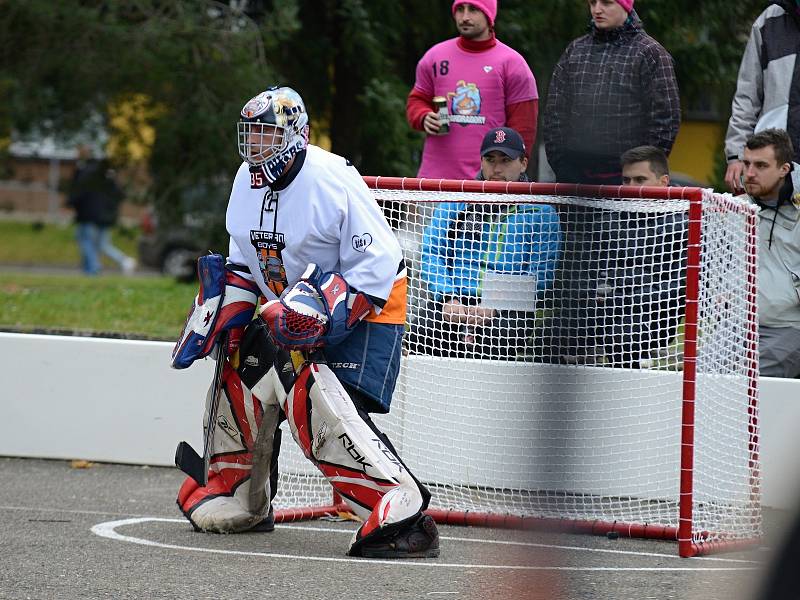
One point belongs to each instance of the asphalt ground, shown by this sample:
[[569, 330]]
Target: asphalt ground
[[114, 531]]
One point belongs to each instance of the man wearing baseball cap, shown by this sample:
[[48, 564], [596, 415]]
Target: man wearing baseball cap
[[503, 156], [481, 84], [467, 246]]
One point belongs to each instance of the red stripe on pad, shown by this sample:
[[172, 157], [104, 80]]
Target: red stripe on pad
[[219, 484], [370, 525], [243, 458], [229, 311], [331, 470], [299, 414], [365, 496], [236, 394], [234, 279]]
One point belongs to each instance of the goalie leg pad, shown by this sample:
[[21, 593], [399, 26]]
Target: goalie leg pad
[[363, 469], [224, 301], [237, 496]]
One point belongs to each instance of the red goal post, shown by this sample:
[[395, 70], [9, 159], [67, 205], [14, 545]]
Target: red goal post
[[613, 388]]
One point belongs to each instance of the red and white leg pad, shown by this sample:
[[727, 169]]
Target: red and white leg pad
[[237, 495], [361, 468]]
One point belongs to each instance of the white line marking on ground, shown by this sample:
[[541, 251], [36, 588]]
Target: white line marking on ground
[[605, 550], [450, 538], [108, 530], [551, 546]]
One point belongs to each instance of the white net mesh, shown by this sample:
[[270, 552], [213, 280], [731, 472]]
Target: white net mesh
[[543, 370]]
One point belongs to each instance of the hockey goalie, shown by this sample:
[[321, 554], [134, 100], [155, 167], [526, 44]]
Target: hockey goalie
[[321, 349]]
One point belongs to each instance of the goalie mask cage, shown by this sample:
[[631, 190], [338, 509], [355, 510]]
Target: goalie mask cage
[[594, 369]]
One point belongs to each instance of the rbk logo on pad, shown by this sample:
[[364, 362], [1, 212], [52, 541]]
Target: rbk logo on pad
[[227, 427]]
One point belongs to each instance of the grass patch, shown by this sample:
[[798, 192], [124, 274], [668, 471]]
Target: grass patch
[[52, 244], [146, 307]]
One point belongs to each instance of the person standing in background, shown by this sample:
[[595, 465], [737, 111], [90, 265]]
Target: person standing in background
[[485, 84], [772, 182], [768, 88], [612, 89], [95, 197]]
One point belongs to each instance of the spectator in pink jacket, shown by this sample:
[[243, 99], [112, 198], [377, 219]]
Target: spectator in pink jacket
[[486, 84]]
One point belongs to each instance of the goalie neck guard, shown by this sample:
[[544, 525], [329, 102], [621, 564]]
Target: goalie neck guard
[[272, 129]]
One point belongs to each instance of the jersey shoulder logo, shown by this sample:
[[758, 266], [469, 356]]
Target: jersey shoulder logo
[[465, 104], [362, 242]]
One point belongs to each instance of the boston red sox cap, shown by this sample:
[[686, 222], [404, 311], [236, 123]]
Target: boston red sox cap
[[504, 139]]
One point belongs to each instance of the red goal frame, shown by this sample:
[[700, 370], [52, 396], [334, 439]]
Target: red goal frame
[[688, 545]]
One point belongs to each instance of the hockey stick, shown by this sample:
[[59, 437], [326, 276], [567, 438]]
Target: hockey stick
[[186, 458]]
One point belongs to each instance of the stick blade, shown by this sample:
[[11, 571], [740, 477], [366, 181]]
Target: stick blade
[[191, 463]]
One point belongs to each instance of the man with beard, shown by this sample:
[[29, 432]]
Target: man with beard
[[484, 83], [768, 87], [772, 181]]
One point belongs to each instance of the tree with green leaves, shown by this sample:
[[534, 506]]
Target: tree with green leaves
[[197, 61], [64, 63]]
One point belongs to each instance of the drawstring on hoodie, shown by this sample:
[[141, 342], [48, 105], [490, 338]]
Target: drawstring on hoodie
[[783, 196], [777, 212], [270, 197]]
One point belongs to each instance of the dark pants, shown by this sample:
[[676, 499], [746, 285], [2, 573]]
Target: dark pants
[[619, 291], [508, 336]]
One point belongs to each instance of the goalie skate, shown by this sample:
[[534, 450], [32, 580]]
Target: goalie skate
[[417, 539]]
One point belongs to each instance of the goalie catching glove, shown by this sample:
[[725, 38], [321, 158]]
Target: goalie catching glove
[[226, 301], [321, 309]]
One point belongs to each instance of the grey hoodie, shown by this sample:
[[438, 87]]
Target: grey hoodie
[[779, 258], [768, 88]]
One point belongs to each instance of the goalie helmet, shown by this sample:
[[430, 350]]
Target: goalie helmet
[[272, 129]]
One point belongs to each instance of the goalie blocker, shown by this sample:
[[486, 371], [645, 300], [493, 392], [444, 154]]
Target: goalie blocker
[[226, 301], [348, 449]]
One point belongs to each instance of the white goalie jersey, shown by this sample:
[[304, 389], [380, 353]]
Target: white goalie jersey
[[326, 215]]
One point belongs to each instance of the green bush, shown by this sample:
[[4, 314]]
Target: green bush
[[112, 305]]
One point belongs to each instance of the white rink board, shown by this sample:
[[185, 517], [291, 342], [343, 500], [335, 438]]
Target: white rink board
[[542, 420], [98, 399], [119, 401], [638, 413]]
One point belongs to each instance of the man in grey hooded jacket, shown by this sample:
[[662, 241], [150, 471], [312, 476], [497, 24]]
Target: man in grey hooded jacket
[[772, 181], [768, 88]]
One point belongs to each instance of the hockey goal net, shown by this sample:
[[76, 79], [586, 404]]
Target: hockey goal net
[[579, 357]]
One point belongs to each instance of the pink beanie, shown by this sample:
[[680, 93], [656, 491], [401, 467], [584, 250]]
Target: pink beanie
[[626, 4], [487, 7]]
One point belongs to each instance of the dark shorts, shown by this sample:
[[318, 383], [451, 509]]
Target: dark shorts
[[369, 361]]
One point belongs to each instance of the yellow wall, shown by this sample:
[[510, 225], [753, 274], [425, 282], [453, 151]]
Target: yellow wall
[[695, 149]]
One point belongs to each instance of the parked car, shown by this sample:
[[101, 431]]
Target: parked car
[[176, 231]]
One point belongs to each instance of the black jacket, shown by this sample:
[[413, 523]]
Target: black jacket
[[94, 194], [610, 91]]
